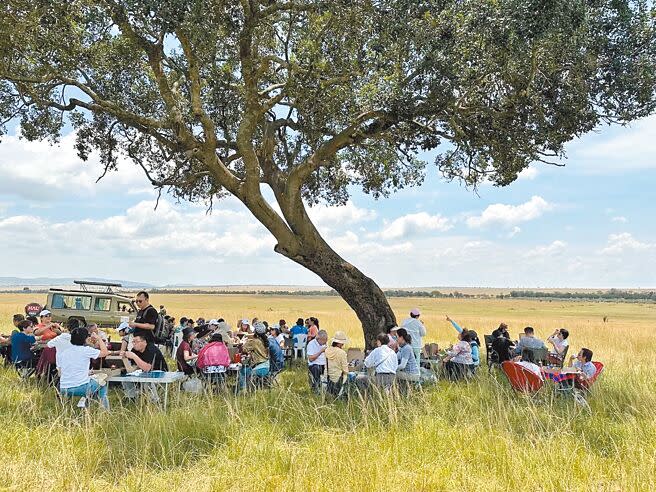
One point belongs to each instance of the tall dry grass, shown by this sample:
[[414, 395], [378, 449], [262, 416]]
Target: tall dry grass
[[476, 436]]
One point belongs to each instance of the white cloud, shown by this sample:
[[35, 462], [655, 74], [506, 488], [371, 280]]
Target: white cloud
[[620, 243], [529, 174], [323, 215], [628, 148], [510, 215], [413, 224], [620, 219], [515, 230], [349, 244], [555, 248], [38, 171]]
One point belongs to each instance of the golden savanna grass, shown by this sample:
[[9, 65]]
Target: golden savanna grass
[[477, 436]]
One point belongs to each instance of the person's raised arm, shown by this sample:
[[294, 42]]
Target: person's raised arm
[[141, 364], [102, 346], [455, 325], [314, 357]]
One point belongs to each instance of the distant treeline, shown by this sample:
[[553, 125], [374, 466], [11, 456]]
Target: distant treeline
[[612, 294], [600, 295]]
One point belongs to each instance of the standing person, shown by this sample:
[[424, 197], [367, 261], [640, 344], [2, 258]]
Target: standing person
[[408, 367], [46, 329], [416, 329], [317, 359], [146, 320], [74, 362], [257, 350], [184, 355], [383, 361], [337, 363]]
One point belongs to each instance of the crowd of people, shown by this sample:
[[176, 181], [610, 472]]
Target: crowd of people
[[257, 351]]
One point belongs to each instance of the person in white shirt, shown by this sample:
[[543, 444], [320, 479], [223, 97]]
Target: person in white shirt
[[560, 343], [62, 342], [416, 329], [383, 361], [317, 359], [74, 366]]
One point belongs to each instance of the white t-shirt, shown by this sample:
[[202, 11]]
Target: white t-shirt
[[383, 359], [281, 340], [60, 343], [314, 348], [416, 330], [74, 365]]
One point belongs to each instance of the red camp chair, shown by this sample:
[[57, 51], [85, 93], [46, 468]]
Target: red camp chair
[[585, 384], [520, 378]]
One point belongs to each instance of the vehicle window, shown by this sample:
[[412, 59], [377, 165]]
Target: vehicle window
[[65, 301], [102, 304], [125, 307]]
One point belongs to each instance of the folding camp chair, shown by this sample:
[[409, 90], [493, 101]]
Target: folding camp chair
[[520, 378], [535, 355], [579, 387], [491, 355]]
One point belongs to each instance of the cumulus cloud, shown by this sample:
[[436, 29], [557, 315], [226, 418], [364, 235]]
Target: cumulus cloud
[[555, 248], [515, 230], [323, 215], [620, 243], [620, 219], [349, 244], [413, 224], [38, 171], [529, 174], [510, 215]]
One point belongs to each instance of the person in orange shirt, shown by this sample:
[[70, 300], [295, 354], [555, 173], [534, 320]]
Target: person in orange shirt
[[46, 329], [313, 328]]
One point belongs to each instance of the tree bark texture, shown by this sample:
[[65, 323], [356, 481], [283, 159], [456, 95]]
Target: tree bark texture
[[360, 292]]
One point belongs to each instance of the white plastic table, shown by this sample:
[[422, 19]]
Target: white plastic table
[[166, 380]]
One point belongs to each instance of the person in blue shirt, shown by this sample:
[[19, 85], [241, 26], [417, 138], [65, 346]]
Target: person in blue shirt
[[299, 328], [276, 355], [21, 343], [475, 344]]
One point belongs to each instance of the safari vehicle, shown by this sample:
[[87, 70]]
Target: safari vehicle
[[95, 302]]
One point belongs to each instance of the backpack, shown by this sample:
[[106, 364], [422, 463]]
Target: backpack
[[159, 327]]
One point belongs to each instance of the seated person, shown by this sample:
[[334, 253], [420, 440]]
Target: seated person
[[474, 342], [276, 355], [393, 334], [383, 361], [256, 349], [534, 368], [214, 357], [298, 329], [580, 364], [560, 343], [529, 341], [145, 355], [184, 356], [46, 329], [223, 329], [316, 349], [74, 362], [408, 369], [202, 338], [21, 345], [62, 342], [93, 328], [458, 361], [336, 363], [502, 331], [503, 347]]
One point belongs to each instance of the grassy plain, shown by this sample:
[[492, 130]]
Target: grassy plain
[[476, 436]]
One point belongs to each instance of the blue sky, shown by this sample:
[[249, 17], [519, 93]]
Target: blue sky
[[589, 224]]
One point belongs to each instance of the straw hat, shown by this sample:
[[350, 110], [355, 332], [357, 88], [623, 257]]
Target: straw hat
[[340, 337]]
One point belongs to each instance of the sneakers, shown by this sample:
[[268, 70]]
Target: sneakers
[[82, 403]]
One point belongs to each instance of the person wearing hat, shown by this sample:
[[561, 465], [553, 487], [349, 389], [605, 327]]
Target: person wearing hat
[[223, 329], [46, 329], [393, 337], [202, 337], [184, 355], [502, 331], [336, 363], [257, 351], [416, 329]]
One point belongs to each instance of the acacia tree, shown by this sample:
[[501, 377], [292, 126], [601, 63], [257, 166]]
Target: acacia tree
[[309, 97]]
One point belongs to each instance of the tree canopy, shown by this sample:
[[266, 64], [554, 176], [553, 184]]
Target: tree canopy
[[315, 97]]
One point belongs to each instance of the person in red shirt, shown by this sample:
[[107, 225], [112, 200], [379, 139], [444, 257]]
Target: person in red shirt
[[46, 329]]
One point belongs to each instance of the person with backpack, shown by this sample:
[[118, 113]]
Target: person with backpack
[[147, 318]]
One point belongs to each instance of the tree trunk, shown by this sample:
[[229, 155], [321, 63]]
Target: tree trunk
[[359, 291]]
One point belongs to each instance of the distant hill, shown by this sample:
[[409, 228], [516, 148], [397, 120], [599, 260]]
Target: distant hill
[[51, 282]]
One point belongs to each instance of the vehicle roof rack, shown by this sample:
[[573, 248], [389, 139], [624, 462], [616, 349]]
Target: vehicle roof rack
[[109, 285]]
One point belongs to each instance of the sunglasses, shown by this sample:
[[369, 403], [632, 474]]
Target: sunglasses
[[138, 301]]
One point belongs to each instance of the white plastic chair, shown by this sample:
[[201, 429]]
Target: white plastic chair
[[300, 344]]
